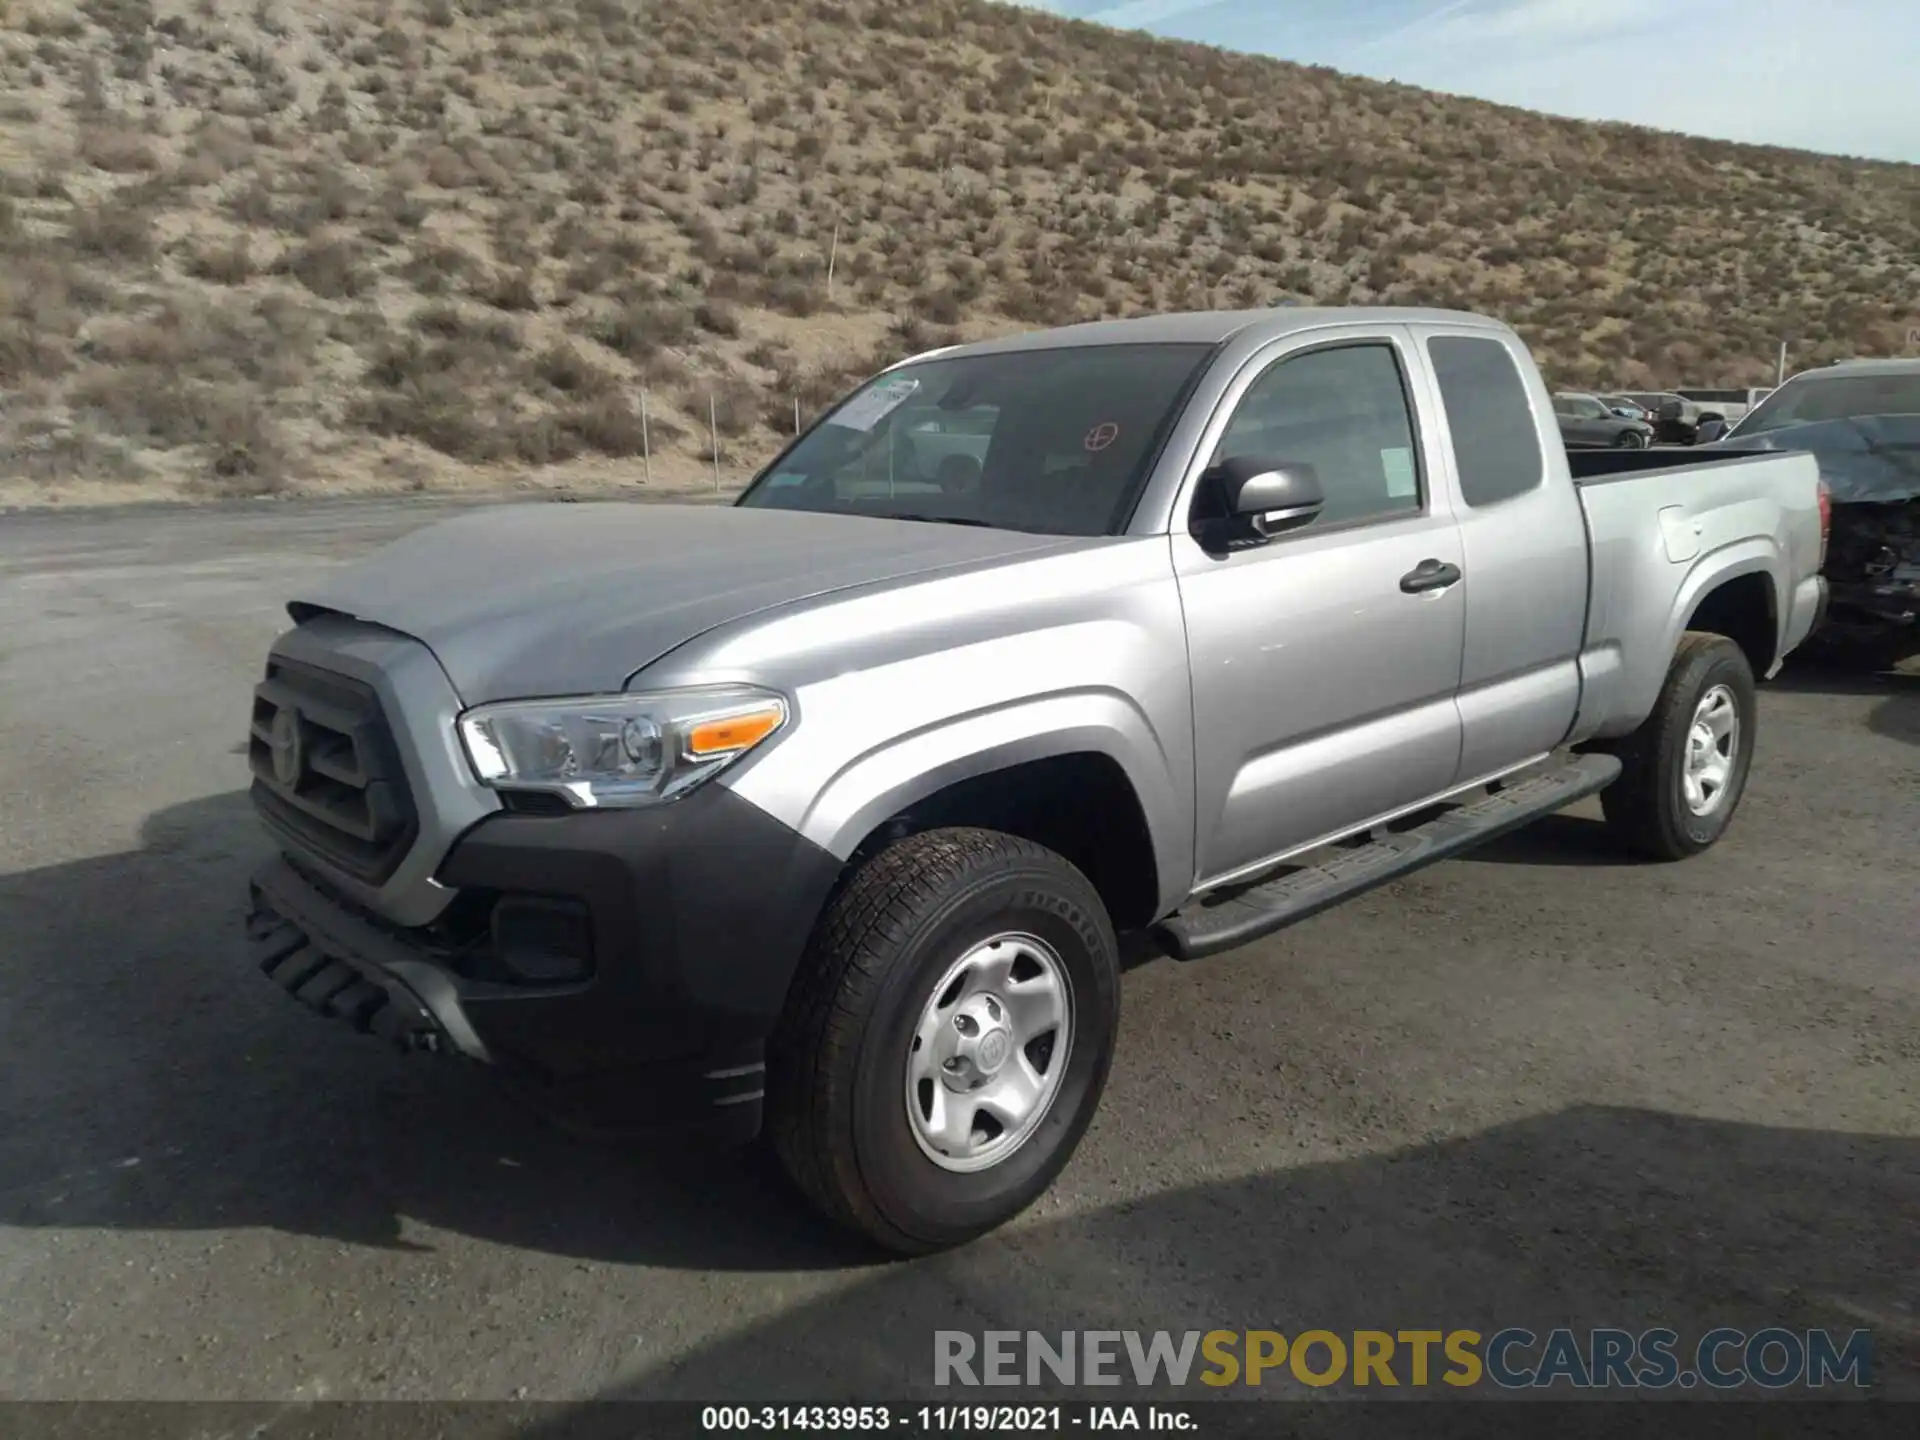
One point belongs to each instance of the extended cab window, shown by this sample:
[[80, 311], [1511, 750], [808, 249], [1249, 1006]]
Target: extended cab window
[[1496, 448], [1056, 441], [1343, 411]]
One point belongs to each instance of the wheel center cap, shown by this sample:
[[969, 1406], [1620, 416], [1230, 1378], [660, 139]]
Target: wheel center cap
[[992, 1052]]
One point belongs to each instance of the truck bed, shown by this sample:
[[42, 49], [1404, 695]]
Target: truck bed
[[1753, 513], [1595, 466]]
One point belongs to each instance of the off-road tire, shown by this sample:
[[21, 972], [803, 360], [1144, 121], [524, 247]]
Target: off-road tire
[[836, 1108], [1646, 807]]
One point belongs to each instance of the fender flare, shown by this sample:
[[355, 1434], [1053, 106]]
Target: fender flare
[[906, 769], [1757, 555]]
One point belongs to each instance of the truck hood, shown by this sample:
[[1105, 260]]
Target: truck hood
[[522, 601], [1868, 458]]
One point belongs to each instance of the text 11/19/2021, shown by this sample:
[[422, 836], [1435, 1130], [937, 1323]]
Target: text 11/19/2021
[[943, 1419]]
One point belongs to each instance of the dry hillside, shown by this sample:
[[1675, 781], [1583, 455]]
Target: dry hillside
[[248, 247]]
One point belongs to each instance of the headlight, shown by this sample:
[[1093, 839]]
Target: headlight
[[617, 750]]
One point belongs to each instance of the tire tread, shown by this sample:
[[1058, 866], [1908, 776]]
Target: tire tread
[[812, 1055], [1635, 805]]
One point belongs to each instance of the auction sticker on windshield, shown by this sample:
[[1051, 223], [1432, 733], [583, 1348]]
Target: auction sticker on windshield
[[869, 408]]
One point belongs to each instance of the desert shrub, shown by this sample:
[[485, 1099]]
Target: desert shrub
[[736, 405], [333, 269], [437, 410], [639, 330], [717, 317], [563, 368], [107, 231], [513, 290], [228, 262], [117, 150]]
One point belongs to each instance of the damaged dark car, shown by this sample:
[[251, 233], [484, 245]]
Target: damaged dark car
[[1861, 421]]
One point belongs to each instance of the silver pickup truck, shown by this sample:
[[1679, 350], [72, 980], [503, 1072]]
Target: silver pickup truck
[[826, 815]]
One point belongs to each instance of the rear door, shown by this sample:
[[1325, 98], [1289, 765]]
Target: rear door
[[1524, 544], [1324, 660]]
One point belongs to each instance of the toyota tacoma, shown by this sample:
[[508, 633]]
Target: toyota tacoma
[[825, 816]]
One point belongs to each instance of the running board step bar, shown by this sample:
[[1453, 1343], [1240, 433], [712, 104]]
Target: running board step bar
[[1233, 917]]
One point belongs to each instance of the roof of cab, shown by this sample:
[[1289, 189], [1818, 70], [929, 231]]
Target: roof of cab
[[1213, 327]]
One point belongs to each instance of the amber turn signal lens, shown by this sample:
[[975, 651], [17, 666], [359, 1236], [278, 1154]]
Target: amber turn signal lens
[[734, 732]]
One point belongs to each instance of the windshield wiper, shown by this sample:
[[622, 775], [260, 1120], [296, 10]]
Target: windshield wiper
[[935, 519]]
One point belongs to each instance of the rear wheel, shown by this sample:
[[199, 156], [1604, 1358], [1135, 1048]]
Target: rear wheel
[[947, 1040], [1630, 440], [1685, 768]]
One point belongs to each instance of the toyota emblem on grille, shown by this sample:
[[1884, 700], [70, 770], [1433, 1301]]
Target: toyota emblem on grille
[[283, 739]]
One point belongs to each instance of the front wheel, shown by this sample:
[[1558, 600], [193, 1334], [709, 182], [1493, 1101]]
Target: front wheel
[[946, 1042], [1685, 769]]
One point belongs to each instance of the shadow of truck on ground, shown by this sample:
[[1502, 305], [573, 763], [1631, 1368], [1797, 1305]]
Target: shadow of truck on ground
[[134, 1027], [1589, 1217]]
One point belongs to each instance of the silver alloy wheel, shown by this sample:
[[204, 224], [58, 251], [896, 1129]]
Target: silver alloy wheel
[[1713, 743], [988, 1053]]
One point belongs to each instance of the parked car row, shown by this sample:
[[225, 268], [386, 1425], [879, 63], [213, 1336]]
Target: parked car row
[[1633, 421], [1587, 422]]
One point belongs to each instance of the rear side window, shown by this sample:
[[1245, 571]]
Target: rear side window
[[1495, 446]]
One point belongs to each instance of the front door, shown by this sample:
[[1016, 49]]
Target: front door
[[1325, 661]]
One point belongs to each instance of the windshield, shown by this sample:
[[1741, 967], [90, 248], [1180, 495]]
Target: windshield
[[1809, 399], [1055, 441]]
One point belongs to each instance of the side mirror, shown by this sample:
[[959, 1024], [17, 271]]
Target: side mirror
[[1269, 495]]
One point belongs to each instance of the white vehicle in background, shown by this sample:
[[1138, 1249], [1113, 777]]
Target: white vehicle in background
[[1730, 404], [948, 449]]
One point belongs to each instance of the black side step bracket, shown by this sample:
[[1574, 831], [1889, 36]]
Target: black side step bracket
[[1234, 917]]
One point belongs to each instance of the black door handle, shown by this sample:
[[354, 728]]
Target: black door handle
[[1430, 575]]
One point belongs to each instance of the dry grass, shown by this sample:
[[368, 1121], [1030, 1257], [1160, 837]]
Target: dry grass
[[252, 245]]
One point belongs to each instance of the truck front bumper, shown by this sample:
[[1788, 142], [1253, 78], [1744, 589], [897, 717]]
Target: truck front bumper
[[623, 969]]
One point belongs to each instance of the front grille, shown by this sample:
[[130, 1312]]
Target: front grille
[[326, 775]]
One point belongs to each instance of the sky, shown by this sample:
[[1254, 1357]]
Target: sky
[[1840, 76]]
